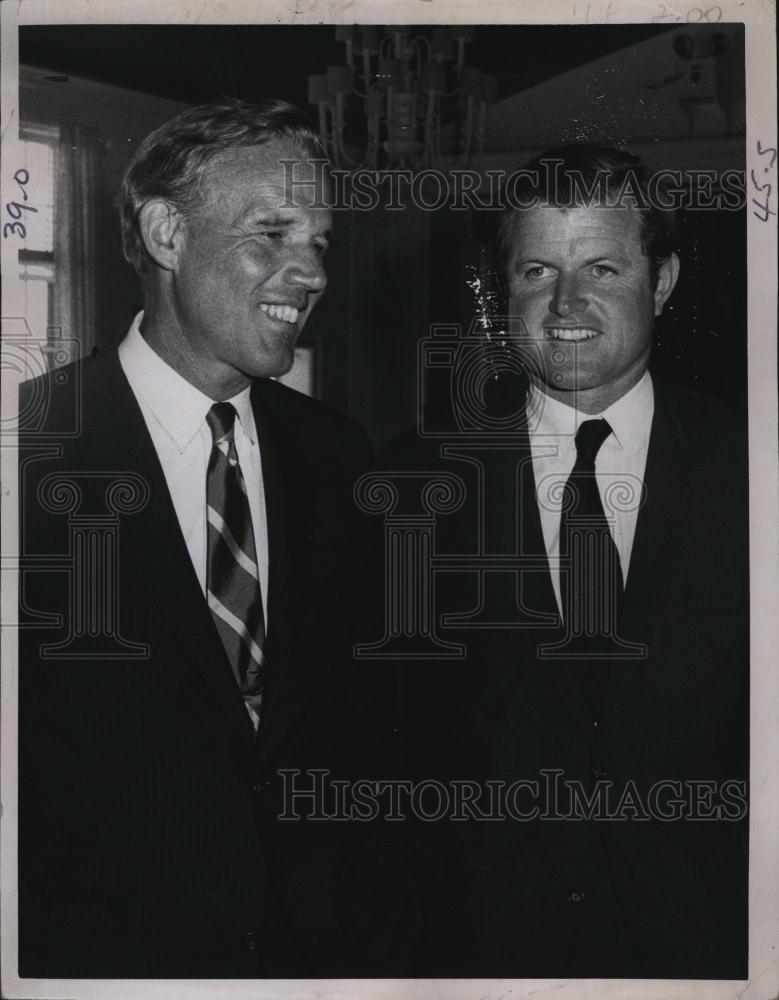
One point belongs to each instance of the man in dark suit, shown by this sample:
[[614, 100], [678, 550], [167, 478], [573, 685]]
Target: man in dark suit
[[194, 578], [605, 688]]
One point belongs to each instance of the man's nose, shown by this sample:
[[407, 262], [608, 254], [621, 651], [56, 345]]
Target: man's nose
[[307, 269], [568, 296]]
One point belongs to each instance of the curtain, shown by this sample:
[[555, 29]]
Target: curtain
[[73, 303]]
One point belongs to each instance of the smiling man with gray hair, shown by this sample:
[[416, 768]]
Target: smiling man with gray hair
[[216, 647]]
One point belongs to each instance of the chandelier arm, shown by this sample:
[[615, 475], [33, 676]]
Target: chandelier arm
[[466, 154], [461, 43], [366, 69], [416, 60], [444, 162], [482, 129], [422, 41], [323, 130], [429, 126], [435, 141], [344, 160]]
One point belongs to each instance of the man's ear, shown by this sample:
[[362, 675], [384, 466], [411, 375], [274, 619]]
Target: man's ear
[[666, 282], [162, 231]]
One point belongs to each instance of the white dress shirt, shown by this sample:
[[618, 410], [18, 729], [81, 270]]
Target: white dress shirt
[[619, 465], [175, 414]]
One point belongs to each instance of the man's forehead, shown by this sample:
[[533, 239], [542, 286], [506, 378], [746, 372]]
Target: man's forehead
[[280, 170], [578, 227]]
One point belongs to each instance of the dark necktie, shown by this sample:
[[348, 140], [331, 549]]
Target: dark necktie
[[233, 580], [591, 581]]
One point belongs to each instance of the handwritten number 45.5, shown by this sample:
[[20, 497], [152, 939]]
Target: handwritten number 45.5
[[15, 208], [762, 207]]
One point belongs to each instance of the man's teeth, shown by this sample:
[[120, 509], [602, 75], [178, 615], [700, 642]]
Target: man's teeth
[[570, 333], [289, 314]]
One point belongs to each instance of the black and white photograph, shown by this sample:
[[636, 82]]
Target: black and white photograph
[[389, 500]]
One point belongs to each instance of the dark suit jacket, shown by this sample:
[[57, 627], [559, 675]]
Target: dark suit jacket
[[634, 897], [148, 830]]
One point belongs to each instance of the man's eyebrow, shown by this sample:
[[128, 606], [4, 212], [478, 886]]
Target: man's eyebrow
[[285, 222], [614, 255], [605, 255], [280, 221]]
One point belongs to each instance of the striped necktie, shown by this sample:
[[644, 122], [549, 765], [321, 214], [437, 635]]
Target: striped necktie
[[233, 579]]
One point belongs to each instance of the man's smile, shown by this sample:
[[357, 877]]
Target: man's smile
[[574, 333], [280, 311]]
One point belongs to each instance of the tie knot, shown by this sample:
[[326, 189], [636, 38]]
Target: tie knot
[[221, 420], [589, 438]]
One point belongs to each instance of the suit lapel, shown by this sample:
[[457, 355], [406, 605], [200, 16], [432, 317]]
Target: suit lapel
[[515, 651], [115, 437], [291, 487], [277, 493], [669, 484]]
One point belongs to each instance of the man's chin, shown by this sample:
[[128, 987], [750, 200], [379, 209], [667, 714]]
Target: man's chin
[[568, 370], [273, 366], [564, 385], [280, 370]]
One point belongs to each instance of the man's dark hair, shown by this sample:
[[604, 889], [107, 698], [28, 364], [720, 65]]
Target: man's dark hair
[[580, 176], [169, 162]]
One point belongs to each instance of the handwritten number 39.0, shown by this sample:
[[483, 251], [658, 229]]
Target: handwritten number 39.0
[[14, 208]]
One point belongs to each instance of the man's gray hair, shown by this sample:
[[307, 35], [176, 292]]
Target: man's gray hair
[[169, 162]]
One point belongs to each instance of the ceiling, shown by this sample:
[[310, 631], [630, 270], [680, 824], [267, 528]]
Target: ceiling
[[643, 94], [196, 63]]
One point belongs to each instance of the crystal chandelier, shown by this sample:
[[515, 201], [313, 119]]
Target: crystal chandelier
[[402, 100]]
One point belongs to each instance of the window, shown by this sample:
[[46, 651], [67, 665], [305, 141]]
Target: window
[[57, 258], [37, 266]]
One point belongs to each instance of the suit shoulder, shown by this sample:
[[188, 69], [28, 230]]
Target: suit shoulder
[[48, 402], [311, 416], [63, 401], [51, 382], [709, 417]]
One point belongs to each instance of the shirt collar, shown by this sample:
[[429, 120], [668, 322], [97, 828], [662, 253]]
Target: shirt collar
[[630, 417], [179, 406]]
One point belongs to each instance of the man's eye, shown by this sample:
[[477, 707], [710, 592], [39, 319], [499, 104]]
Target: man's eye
[[601, 270], [535, 271]]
